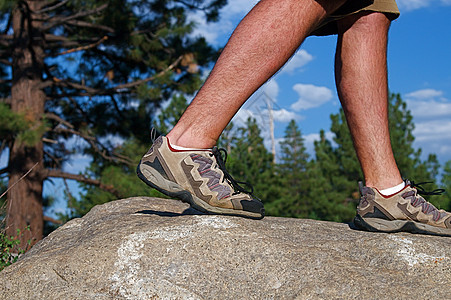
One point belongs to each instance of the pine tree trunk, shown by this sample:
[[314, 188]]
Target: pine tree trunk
[[24, 201]]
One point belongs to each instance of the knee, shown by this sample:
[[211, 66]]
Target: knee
[[364, 22], [374, 19]]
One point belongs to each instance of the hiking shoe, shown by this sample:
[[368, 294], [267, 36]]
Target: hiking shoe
[[404, 211], [199, 178]]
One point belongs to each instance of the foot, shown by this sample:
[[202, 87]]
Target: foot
[[403, 211], [199, 178]]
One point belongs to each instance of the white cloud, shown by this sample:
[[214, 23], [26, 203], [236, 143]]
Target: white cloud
[[271, 88], [431, 113], [238, 7], [299, 59], [311, 138], [424, 94], [310, 96], [428, 104], [229, 16], [436, 130], [409, 5], [309, 141], [444, 150], [283, 115], [413, 4], [77, 163], [210, 31], [434, 137], [429, 109]]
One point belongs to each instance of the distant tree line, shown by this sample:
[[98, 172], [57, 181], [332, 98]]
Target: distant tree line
[[323, 187]]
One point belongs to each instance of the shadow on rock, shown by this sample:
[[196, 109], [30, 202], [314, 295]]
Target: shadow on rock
[[186, 212]]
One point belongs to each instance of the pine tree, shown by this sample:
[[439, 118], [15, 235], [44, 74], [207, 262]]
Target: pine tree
[[92, 69], [407, 157], [249, 161], [293, 200], [334, 200], [444, 201]]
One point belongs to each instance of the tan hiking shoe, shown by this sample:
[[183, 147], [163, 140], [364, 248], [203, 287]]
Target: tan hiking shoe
[[404, 211], [199, 178]]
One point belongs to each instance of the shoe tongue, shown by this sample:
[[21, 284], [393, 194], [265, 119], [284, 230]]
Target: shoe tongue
[[361, 187]]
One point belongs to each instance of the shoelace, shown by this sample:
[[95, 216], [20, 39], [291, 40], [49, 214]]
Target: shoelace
[[426, 206], [221, 160], [422, 191]]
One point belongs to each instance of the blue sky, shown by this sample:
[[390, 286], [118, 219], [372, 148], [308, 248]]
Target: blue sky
[[419, 60]]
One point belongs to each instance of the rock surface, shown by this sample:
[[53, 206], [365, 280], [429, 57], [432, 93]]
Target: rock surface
[[148, 248]]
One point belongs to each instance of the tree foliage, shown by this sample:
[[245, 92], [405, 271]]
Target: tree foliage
[[88, 70], [248, 160], [293, 200]]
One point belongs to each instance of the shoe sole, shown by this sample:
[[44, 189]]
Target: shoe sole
[[173, 190], [381, 225]]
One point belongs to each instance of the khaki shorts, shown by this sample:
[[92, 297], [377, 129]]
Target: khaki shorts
[[329, 26]]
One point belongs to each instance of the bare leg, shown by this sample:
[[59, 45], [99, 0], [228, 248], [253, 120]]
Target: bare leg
[[263, 41], [361, 76]]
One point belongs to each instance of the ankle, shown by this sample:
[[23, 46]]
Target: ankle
[[384, 180], [186, 140]]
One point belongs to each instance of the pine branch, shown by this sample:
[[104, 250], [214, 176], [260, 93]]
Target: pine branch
[[5, 62], [98, 147], [4, 170], [55, 21], [90, 25], [121, 88], [65, 83], [116, 106], [82, 111], [55, 159], [92, 141], [54, 117], [68, 193], [52, 220], [50, 8], [81, 178], [20, 179], [74, 132], [81, 48], [6, 40], [46, 140], [48, 37], [57, 42], [138, 82]]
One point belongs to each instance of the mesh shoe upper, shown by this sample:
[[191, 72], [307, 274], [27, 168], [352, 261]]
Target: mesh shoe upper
[[200, 172], [404, 205]]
